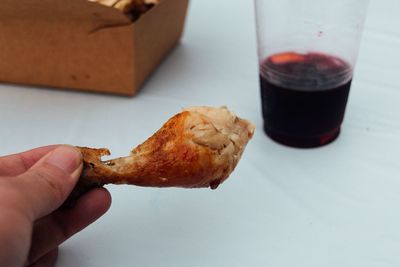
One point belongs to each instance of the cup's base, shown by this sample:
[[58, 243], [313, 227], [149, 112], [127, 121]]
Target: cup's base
[[303, 141]]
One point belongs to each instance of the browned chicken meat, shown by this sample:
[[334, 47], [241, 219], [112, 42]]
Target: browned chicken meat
[[199, 147], [135, 7]]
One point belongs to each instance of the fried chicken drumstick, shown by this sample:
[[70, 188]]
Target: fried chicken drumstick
[[199, 147]]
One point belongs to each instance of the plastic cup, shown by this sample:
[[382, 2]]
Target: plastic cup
[[307, 53]]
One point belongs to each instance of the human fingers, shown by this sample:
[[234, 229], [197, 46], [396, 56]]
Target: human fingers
[[54, 229], [48, 260], [17, 164], [45, 186], [15, 233]]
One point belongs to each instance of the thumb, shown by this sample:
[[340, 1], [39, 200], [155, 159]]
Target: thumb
[[47, 184]]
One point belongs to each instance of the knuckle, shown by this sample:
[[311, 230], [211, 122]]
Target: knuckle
[[64, 231]]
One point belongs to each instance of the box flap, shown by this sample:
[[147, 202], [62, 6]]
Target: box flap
[[66, 43], [61, 10]]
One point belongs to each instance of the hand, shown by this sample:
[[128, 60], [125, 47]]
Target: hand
[[33, 185]]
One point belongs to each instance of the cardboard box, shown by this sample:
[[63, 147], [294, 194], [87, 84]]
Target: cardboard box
[[77, 44]]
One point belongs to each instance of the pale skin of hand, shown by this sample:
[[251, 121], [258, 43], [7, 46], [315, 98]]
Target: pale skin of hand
[[33, 186]]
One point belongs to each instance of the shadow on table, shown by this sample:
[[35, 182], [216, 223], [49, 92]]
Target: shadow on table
[[176, 64]]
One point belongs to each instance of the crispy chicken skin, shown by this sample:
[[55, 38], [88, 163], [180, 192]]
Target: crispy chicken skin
[[199, 147]]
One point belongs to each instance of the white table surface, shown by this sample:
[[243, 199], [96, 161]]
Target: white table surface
[[333, 206]]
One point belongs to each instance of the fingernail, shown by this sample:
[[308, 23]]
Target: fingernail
[[66, 158]]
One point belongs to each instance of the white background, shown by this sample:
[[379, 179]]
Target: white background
[[333, 206]]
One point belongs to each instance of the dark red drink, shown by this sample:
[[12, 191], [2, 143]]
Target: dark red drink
[[304, 97]]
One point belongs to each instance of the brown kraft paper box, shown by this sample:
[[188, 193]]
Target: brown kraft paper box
[[77, 44]]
